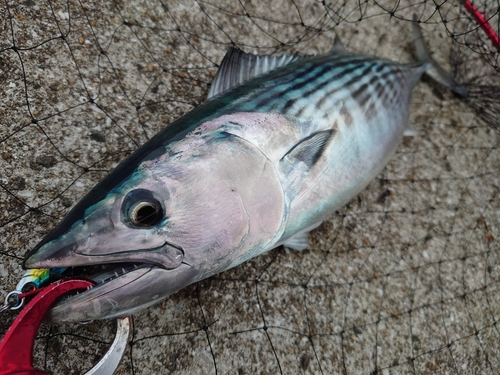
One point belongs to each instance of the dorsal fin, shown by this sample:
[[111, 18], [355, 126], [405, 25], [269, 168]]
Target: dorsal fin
[[309, 149], [238, 67]]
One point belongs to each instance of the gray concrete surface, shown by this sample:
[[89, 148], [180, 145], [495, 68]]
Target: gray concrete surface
[[404, 280]]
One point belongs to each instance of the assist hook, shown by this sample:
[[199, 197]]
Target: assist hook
[[16, 347]]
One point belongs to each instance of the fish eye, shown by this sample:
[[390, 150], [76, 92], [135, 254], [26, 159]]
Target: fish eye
[[141, 209], [145, 214]]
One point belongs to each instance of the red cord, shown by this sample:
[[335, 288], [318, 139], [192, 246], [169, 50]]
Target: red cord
[[483, 23], [30, 293]]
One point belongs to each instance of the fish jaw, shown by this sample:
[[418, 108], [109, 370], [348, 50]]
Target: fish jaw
[[123, 295], [71, 251], [126, 270]]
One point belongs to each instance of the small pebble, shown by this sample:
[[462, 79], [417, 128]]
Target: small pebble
[[98, 137], [46, 161]]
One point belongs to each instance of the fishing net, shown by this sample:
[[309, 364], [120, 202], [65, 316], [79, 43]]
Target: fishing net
[[403, 280]]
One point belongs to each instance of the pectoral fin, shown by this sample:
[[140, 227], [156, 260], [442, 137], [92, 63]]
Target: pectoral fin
[[309, 149]]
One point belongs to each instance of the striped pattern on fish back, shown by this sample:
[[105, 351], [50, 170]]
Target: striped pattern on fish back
[[333, 87]]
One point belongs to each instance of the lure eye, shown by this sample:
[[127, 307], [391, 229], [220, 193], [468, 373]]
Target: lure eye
[[145, 214], [141, 209], [28, 287]]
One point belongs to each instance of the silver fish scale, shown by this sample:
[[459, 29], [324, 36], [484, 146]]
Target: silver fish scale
[[329, 89]]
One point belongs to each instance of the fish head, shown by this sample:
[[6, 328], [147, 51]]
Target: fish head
[[177, 219], [119, 242], [129, 222]]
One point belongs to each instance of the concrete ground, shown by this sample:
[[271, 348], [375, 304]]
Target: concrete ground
[[403, 280]]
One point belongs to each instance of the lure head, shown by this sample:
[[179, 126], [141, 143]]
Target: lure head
[[33, 279], [191, 212]]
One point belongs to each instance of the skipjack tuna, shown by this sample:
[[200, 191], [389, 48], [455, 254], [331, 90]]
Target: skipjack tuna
[[281, 143]]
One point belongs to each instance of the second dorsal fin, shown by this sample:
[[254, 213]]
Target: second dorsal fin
[[338, 46], [238, 67]]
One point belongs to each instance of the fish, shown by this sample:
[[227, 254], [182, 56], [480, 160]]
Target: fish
[[281, 143]]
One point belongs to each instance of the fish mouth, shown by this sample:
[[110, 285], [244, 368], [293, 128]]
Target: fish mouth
[[121, 289], [125, 281], [101, 273], [130, 273]]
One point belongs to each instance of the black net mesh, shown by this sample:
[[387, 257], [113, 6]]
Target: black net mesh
[[404, 279]]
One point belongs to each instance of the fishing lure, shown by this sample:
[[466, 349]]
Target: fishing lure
[[36, 278], [30, 283], [280, 144]]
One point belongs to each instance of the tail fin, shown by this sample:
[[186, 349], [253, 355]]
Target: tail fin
[[434, 70]]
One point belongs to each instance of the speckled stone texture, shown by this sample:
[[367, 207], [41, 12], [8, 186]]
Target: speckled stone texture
[[403, 280]]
